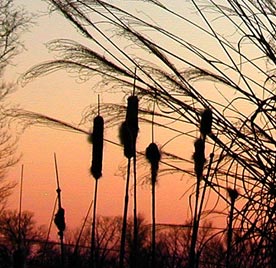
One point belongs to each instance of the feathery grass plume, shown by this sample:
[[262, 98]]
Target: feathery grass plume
[[199, 156], [153, 155], [126, 140], [206, 122], [97, 154]]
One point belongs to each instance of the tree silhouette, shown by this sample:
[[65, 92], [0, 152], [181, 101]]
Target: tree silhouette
[[27, 234], [14, 21], [211, 56]]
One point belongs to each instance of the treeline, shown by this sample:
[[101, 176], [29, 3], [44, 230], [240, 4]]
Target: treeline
[[172, 245]]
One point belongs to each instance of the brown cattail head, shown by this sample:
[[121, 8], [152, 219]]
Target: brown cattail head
[[132, 116], [206, 122], [97, 154], [153, 155], [126, 140], [233, 194], [59, 220], [199, 156]]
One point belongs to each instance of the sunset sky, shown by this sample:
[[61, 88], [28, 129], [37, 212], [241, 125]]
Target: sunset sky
[[62, 96]]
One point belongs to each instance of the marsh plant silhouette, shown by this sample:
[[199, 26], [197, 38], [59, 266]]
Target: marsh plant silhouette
[[96, 171], [128, 133], [213, 56]]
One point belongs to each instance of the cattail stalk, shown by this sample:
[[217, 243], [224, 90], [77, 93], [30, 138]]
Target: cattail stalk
[[233, 194], [74, 262], [153, 156], [124, 225], [199, 161], [126, 141], [20, 207], [19, 253], [128, 136], [96, 171], [132, 122], [59, 216]]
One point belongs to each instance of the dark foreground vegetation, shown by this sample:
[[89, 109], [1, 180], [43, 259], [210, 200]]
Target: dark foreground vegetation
[[172, 245]]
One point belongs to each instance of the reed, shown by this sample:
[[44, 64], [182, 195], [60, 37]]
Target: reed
[[96, 171], [153, 156], [128, 133], [199, 162], [233, 194]]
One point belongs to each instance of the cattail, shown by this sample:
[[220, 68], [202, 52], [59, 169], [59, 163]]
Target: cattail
[[126, 140], [132, 116], [97, 154], [60, 220], [153, 156], [199, 156], [206, 122], [233, 194]]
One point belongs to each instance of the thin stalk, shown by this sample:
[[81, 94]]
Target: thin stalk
[[153, 156], [230, 233], [124, 227], [135, 220], [49, 230], [60, 233], [153, 236], [20, 207], [202, 200], [93, 240], [205, 188], [19, 253], [192, 255], [82, 228]]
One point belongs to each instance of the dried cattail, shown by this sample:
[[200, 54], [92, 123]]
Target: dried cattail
[[199, 156], [59, 219], [126, 140], [132, 116], [206, 122], [233, 194], [153, 156], [97, 139]]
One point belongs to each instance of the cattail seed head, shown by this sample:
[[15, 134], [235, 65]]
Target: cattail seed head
[[199, 157], [206, 122], [132, 116], [97, 152], [59, 219], [126, 140], [153, 155], [233, 194]]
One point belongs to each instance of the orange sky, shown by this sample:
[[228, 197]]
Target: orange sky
[[60, 96]]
